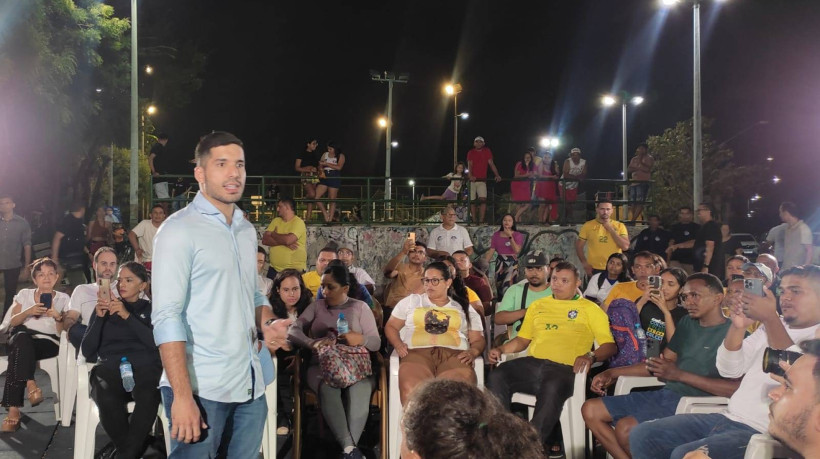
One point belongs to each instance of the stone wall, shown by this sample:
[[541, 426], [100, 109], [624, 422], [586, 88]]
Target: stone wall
[[376, 245]]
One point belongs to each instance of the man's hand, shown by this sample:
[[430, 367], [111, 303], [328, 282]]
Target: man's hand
[[408, 246], [587, 268], [607, 224], [665, 370], [186, 420], [25, 274], [139, 253], [472, 177], [601, 381], [102, 307], [582, 362], [494, 356], [155, 174], [116, 307], [760, 308], [497, 178], [737, 316], [276, 334]]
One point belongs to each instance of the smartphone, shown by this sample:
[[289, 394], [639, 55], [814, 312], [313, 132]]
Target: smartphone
[[753, 286], [654, 282], [412, 236], [45, 298], [105, 289], [653, 348]]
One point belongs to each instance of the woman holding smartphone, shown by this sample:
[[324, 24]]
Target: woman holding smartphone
[[36, 321], [660, 309], [121, 329]]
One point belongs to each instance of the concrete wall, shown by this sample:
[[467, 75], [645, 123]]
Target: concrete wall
[[376, 245]]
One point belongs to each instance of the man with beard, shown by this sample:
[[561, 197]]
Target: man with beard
[[84, 297], [208, 310], [725, 435], [518, 297], [602, 237]]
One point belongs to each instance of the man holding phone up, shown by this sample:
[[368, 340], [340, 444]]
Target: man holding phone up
[[207, 309], [725, 435]]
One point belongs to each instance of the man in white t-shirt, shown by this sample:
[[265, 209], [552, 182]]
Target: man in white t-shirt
[[348, 257], [448, 237], [798, 247], [725, 435], [142, 236], [84, 297]]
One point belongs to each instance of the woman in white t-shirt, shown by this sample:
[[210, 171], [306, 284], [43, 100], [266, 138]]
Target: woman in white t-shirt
[[617, 270], [437, 334], [35, 327]]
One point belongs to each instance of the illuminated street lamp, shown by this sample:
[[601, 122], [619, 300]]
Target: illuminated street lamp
[[149, 70], [608, 100], [464, 115], [150, 110], [394, 144], [549, 142], [775, 180], [453, 89], [769, 159], [382, 122]]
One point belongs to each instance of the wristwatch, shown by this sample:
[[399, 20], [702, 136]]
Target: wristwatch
[[591, 355]]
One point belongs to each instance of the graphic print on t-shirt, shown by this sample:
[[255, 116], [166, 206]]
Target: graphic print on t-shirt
[[436, 327], [656, 329]]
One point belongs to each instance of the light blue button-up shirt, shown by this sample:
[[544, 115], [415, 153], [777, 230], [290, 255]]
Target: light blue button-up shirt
[[205, 294]]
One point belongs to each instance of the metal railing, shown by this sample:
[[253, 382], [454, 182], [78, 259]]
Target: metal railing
[[362, 200]]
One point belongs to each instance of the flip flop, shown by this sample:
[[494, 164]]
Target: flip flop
[[35, 397], [10, 425]]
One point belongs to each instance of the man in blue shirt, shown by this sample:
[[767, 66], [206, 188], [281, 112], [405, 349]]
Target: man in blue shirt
[[206, 311]]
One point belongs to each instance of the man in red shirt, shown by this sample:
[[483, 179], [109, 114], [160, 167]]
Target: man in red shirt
[[477, 161]]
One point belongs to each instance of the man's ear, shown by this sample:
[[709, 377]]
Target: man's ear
[[199, 174]]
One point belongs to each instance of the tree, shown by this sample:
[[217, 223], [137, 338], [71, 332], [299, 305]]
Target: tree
[[672, 174]]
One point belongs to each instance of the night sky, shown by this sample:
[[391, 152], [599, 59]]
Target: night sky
[[279, 73]]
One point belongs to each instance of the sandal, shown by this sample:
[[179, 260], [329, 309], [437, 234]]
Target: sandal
[[10, 425], [35, 397]]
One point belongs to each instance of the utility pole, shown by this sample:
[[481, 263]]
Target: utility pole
[[697, 123], [390, 78], [134, 177]]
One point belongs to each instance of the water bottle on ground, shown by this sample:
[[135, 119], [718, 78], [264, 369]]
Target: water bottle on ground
[[641, 336], [341, 325], [127, 375]]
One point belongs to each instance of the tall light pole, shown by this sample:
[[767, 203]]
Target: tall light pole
[[697, 122], [134, 177], [625, 98], [453, 90], [389, 78]]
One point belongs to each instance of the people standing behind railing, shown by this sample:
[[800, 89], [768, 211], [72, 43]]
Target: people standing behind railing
[[99, 232], [478, 159], [331, 164], [521, 188], [546, 189], [454, 189], [574, 169], [307, 164], [121, 330], [142, 236], [158, 162], [641, 169], [34, 330], [507, 243]]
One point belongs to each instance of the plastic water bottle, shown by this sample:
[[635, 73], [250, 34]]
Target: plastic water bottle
[[341, 325], [641, 335], [127, 375]]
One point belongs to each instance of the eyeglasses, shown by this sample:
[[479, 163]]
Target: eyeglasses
[[432, 281]]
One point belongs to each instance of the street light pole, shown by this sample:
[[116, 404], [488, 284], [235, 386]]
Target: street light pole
[[697, 136], [455, 131], [389, 78], [624, 190], [134, 177]]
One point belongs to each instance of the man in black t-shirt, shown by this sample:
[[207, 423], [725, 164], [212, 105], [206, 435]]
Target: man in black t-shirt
[[68, 246], [707, 245], [683, 231], [158, 161], [653, 239]]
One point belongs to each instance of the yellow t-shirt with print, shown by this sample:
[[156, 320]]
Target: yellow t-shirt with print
[[561, 330], [312, 281], [600, 244]]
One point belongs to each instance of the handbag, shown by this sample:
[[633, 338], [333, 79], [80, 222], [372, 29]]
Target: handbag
[[342, 365]]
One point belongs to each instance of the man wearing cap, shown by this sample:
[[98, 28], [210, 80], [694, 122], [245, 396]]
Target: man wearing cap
[[602, 237], [758, 271], [348, 257], [518, 297], [477, 161]]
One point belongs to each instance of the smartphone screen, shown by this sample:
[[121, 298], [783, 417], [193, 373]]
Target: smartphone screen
[[105, 289], [45, 298], [753, 286]]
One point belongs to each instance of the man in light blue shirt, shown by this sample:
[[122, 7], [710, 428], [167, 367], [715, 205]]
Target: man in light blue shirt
[[206, 311]]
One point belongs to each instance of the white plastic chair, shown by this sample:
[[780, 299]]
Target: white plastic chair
[[573, 428], [268, 448], [700, 405], [763, 446], [51, 367], [68, 368], [395, 408], [627, 384]]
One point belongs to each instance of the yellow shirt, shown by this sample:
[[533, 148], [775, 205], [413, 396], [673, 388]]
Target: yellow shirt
[[282, 257], [600, 244], [628, 290], [561, 330], [312, 280], [472, 296]]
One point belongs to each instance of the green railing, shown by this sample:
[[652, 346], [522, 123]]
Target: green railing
[[362, 200]]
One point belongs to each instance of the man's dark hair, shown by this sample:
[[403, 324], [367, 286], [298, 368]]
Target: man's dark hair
[[685, 208], [712, 282], [812, 348], [262, 251], [791, 208], [157, 206], [162, 136], [328, 249], [77, 205], [643, 145], [214, 139], [602, 201], [710, 207], [460, 252], [654, 216], [645, 254], [556, 259], [740, 258], [103, 250], [289, 201], [421, 244], [566, 266], [531, 150]]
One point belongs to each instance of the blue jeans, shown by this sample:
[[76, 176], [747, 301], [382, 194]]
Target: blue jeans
[[677, 435], [240, 425]]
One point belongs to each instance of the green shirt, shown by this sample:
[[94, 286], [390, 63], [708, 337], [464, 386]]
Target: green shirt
[[512, 302], [696, 347]]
